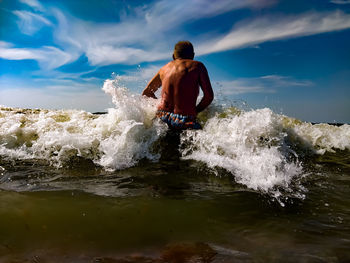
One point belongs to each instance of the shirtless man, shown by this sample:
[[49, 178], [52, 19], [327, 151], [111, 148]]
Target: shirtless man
[[180, 80]]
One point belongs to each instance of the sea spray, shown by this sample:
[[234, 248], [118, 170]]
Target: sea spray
[[260, 149], [136, 131], [250, 145], [116, 140], [129, 106], [319, 138]]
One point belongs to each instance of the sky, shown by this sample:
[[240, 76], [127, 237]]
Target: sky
[[292, 56]]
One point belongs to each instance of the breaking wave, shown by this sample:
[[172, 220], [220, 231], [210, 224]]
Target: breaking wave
[[263, 150]]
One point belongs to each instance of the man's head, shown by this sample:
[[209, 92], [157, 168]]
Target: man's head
[[183, 49]]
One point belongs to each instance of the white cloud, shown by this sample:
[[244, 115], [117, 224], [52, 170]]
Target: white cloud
[[107, 55], [149, 34], [264, 84], [18, 53], [168, 14], [133, 40], [29, 22], [105, 44], [241, 86], [48, 57], [4, 44], [269, 28], [128, 42], [148, 72], [283, 81], [143, 37], [34, 4], [57, 75]]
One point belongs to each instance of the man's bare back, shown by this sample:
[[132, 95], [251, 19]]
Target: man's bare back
[[180, 80]]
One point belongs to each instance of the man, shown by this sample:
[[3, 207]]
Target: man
[[180, 80]]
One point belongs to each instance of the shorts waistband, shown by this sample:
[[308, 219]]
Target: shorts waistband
[[178, 121], [188, 117]]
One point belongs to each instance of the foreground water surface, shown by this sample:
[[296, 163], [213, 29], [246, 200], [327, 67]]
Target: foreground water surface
[[251, 186], [170, 211]]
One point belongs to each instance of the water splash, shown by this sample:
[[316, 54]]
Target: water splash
[[261, 149], [116, 140]]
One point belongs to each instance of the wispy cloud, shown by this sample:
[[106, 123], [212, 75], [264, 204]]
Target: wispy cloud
[[34, 4], [242, 86], [29, 22], [264, 84], [127, 42], [57, 75], [270, 28], [278, 81], [168, 14], [47, 57], [149, 34], [132, 40]]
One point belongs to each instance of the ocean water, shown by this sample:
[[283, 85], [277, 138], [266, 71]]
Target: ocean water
[[251, 186]]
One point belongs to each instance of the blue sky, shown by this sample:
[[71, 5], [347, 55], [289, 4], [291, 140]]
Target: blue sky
[[292, 56]]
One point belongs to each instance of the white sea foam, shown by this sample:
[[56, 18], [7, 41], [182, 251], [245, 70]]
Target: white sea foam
[[256, 146], [322, 137], [116, 140], [249, 145]]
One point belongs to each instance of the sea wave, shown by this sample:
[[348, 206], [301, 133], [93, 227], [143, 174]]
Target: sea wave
[[116, 140], [261, 149]]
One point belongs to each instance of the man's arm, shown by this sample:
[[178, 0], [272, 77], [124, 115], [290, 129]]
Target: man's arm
[[152, 86], [208, 94]]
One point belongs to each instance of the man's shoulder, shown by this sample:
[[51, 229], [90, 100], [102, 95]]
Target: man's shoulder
[[189, 63], [183, 63], [198, 63]]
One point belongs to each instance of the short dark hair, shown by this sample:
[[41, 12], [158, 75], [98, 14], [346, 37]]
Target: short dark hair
[[183, 49]]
